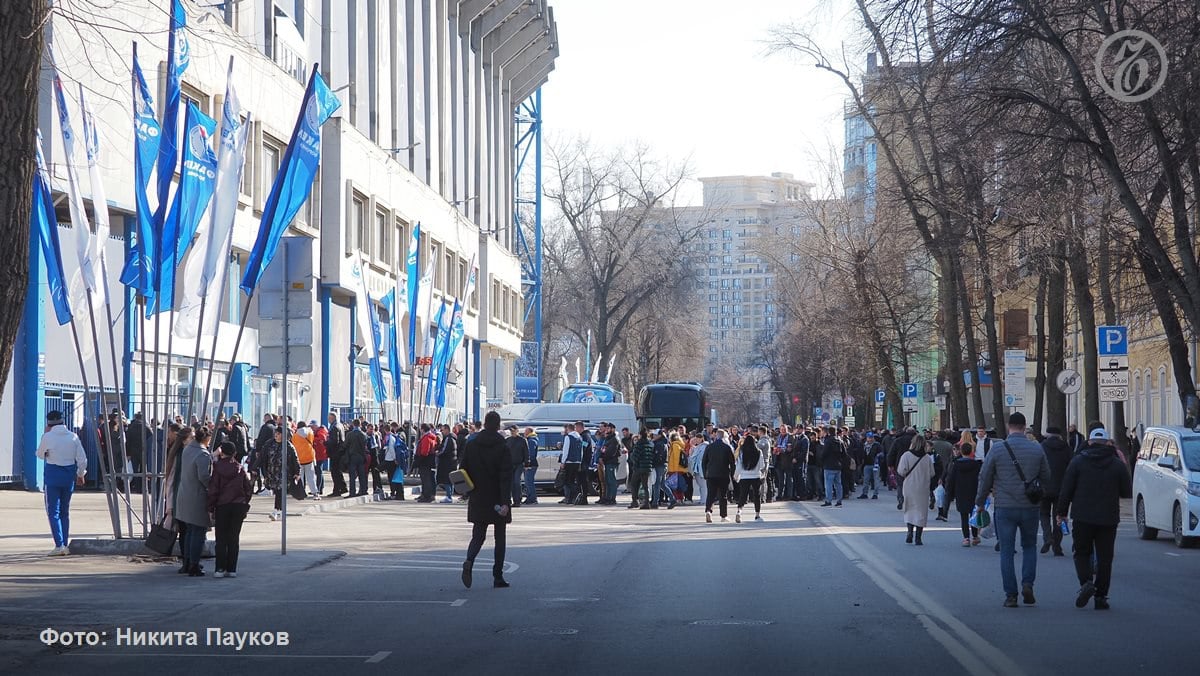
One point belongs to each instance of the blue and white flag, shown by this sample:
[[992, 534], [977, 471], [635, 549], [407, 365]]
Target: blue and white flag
[[294, 180], [91, 139], [457, 332], [392, 346], [413, 282], [45, 224], [178, 57], [79, 221], [440, 340], [139, 270], [208, 265], [191, 199], [368, 322]]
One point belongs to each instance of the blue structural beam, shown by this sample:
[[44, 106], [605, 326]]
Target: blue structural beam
[[528, 121], [29, 375]]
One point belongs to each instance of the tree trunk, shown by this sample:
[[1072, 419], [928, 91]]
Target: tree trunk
[[1109, 305], [1056, 291], [1039, 380], [972, 347], [21, 42], [1181, 365], [951, 333], [1085, 310]]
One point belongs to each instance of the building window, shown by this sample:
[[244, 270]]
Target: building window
[[247, 186], [361, 225], [272, 153], [383, 236]]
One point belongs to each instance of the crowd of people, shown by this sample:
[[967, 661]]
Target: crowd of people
[[1018, 484]]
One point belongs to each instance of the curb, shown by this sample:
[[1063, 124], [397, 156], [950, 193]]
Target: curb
[[128, 547], [335, 505]]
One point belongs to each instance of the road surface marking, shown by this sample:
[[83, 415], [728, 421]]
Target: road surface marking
[[378, 657], [1172, 554], [458, 603], [967, 647]]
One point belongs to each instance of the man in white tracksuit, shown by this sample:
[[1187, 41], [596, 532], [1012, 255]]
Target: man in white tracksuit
[[65, 466]]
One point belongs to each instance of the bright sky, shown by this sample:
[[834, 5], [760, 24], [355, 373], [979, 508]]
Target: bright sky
[[695, 79]]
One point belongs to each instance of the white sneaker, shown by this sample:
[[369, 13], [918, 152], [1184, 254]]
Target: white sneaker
[[724, 520], [737, 518], [219, 574], [58, 551], [708, 517], [446, 500], [230, 574], [758, 517]]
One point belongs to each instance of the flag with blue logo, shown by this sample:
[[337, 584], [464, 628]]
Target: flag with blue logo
[[391, 336], [45, 224], [294, 180], [191, 199], [440, 341], [457, 332], [178, 57], [139, 271], [91, 138], [413, 282]]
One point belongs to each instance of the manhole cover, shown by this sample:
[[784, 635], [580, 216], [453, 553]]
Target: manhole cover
[[538, 631], [731, 623]]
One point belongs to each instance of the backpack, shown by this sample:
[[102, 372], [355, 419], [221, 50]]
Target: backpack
[[660, 453]]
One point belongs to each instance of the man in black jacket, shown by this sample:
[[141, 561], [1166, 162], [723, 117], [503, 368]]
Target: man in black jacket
[[832, 455], [488, 461], [1058, 453], [518, 451], [335, 450], [355, 450], [1091, 491], [718, 469]]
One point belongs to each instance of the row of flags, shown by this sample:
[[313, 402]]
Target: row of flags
[[209, 183]]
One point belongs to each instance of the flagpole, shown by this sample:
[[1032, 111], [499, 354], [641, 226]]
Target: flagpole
[[148, 511], [112, 346], [212, 353], [160, 414], [196, 360], [112, 501], [237, 342]]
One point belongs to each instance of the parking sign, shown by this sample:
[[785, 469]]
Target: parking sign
[[1112, 340], [908, 391]]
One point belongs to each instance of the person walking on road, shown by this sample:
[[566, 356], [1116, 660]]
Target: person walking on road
[[518, 451], [1014, 471], [1058, 454], [530, 466], [229, 493], [962, 483], [717, 469], [696, 463], [871, 451], [64, 468], [1091, 492], [749, 473], [916, 471], [487, 460]]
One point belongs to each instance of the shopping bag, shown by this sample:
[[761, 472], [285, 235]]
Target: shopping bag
[[980, 518], [398, 476], [461, 481], [939, 496]]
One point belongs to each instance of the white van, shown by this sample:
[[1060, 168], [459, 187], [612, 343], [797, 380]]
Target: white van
[[621, 415], [550, 440], [1166, 485]]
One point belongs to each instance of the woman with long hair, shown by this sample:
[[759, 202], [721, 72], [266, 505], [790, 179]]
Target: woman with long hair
[[916, 470], [749, 472]]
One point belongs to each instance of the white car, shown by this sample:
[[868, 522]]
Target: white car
[[1166, 485], [550, 449]]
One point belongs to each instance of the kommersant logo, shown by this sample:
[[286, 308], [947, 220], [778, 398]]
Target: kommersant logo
[[1131, 66]]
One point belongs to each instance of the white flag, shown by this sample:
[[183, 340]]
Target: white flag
[[608, 374], [424, 347], [207, 264], [79, 221], [363, 306], [595, 374], [91, 141]]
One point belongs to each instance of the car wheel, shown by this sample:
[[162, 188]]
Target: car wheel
[[1181, 541], [1144, 532]]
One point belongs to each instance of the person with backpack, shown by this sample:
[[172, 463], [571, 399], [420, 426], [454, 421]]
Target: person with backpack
[[750, 471], [661, 452]]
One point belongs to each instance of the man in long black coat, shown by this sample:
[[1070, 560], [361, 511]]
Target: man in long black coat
[[487, 461]]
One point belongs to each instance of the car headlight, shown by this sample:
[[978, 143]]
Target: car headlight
[[1193, 488]]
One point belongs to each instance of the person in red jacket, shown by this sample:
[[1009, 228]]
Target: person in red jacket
[[425, 461], [320, 436]]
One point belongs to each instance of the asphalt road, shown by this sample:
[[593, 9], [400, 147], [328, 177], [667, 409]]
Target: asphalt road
[[375, 589]]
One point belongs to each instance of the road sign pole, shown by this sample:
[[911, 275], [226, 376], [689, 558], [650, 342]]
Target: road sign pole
[[287, 432]]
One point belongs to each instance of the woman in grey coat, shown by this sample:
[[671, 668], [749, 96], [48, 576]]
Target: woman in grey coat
[[191, 498]]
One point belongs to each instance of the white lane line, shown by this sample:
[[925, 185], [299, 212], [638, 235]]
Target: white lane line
[[1172, 554], [458, 603], [440, 566], [977, 656], [378, 657]]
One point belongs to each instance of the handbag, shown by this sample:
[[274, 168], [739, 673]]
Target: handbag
[[161, 539], [296, 490], [461, 481], [1033, 489], [560, 479]]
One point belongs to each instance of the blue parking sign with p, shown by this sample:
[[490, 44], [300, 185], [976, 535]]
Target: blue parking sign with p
[[880, 395], [909, 390], [1112, 340]]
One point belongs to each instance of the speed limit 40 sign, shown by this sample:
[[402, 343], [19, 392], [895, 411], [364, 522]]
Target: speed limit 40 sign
[[1068, 381]]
